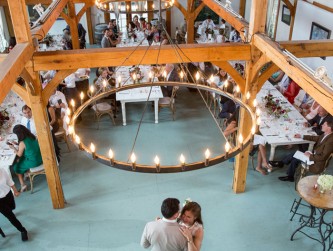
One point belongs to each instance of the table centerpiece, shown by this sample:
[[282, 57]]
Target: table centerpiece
[[325, 183]]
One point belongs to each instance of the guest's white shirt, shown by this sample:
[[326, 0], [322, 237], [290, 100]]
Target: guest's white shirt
[[55, 97], [70, 81], [5, 183], [208, 24], [24, 121]]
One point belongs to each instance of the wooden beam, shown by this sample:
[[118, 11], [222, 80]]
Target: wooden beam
[[90, 26], [22, 93], [20, 21], [292, 21], [52, 85], [242, 5], [12, 66], [309, 48], [257, 24], [180, 7], [47, 149], [322, 6], [48, 19], [232, 72], [266, 75], [319, 91], [289, 5], [74, 59], [3, 57], [240, 24]]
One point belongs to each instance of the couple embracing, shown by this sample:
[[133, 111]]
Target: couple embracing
[[176, 231]]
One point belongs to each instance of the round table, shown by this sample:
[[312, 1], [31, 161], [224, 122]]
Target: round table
[[322, 202]]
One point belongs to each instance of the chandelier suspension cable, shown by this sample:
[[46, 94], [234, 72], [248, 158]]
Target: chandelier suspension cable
[[146, 103], [187, 70]]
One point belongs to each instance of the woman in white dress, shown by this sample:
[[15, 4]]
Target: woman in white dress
[[191, 225]]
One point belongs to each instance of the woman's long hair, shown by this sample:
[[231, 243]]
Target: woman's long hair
[[22, 132], [195, 209]]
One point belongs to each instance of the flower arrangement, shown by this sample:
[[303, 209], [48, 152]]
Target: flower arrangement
[[136, 74], [274, 107], [325, 182], [187, 201], [4, 118]]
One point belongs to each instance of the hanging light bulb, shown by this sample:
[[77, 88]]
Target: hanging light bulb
[[70, 130], [133, 159], [181, 76], [111, 157], [227, 148], [207, 155], [81, 97], [253, 130], [93, 149], [258, 121], [240, 140], [67, 120], [258, 112], [68, 112], [73, 104], [248, 95], [197, 76], [211, 79], [91, 89], [119, 81], [157, 163], [182, 161], [78, 142], [150, 76], [255, 103]]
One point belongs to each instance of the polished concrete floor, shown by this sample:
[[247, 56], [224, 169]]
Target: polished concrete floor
[[107, 208]]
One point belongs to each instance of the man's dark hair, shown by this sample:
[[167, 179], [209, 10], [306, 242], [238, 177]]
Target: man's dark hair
[[170, 207], [105, 30], [209, 17], [25, 107], [329, 122]]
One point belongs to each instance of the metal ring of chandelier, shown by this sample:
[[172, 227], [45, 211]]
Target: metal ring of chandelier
[[158, 168], [132, 6]]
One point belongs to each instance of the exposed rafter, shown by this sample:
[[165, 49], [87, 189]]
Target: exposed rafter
[[309, 48], [319, 91], [74, 59]]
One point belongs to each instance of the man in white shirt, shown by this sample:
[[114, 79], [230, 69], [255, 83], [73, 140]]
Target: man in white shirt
[[164, 234], [27, 120], [208, 24]]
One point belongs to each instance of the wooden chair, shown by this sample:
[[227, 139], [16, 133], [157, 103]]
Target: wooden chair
[[61, 134], [33, 172], [169, 102], [102, 108]]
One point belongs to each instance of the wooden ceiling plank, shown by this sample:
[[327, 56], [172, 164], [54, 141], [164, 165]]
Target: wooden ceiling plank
[[319, 91], [12, 66], [74, 59]]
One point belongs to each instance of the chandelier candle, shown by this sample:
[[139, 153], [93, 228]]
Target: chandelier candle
[[93, 149]]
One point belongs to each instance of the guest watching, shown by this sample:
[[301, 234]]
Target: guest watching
[[7, 203], [28, 153], [191, 225], [323, 148], [164, 234], [319, 120], [291, 91], [27, 119]]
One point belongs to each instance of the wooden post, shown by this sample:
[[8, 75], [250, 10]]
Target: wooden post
[[292, 21], [90, 27], [242, 5], [257, 24], [39, 113], [73, 25]]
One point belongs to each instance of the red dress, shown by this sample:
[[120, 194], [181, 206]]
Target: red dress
[[291, 91]]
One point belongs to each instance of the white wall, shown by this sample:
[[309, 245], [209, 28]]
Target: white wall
[[305, 15], [3, 24]]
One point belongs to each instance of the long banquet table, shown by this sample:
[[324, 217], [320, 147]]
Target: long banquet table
[[281, 131]]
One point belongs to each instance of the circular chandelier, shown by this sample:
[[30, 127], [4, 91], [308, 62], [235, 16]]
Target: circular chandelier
[[133, 6], [207, 160]]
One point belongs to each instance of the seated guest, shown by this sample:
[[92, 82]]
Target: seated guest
[[66, 40], [276, 77], [136, 22], [70, 91], [322, 150], [208, 24], [114, 27], [53, 118], [312, 111], [262, 163], [58, 101], [143, 23], [172, 76], [284, 83], [164, 39], [109, 39], [302, 102], [319, 120], [102, 82], [28, 153], [27, 120], [148, 30], [291, 91]]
